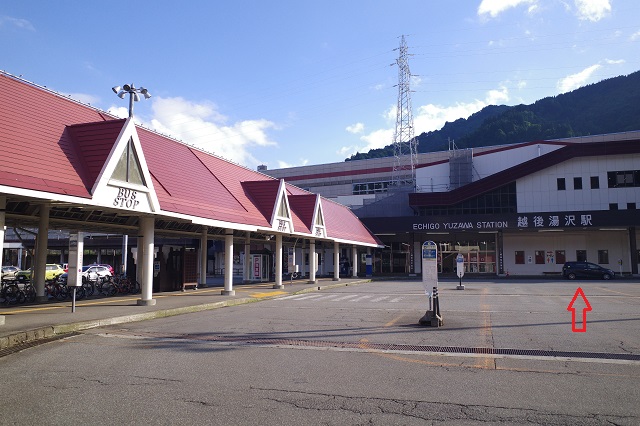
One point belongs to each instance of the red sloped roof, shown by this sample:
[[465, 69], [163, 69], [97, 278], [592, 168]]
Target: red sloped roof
[[263, 194], [37, 150], [341, 223], [94, 142], [303, 206], [186, 184]]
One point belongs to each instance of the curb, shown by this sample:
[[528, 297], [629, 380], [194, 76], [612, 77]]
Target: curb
[[30, 336]]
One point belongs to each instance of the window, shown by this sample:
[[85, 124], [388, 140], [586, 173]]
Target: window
[[603, 257], [519, 257], [613, 206], [622, 179], [595, 182], [631, 206], [577, 183], [370, 188], [128, 169], [561, 184], [539, 257], [581, 255], [560, 257]]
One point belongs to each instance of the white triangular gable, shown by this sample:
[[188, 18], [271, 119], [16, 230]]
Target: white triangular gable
[[112, 190], [281, 220], [318, 225]]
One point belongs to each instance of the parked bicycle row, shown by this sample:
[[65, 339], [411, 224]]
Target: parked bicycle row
[[12, 293]]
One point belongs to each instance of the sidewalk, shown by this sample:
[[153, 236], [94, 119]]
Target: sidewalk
[[29, 323]]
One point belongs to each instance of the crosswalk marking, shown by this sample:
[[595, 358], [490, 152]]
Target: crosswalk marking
[[360, 298], [349, 296], [366, 298]]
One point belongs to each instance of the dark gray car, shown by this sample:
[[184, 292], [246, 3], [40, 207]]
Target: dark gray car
[[573, 270]]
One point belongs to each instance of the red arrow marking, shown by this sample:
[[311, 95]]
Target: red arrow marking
[[587, 308]]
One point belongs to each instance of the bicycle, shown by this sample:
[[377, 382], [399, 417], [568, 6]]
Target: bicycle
[[10, 294], [55, 290]]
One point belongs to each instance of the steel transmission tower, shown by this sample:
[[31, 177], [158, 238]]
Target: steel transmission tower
[[404, 142]]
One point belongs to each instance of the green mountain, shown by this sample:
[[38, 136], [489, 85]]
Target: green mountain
[[610, 106]]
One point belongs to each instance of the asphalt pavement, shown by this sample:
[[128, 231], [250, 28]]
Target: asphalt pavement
[[25, 324]]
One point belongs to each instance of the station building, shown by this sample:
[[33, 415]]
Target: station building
[[518, 209], [78, 179]]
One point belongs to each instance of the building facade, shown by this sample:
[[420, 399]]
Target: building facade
[[70, 169], [520, 209]]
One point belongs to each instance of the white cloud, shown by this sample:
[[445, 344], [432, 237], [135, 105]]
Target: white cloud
[[615, 61], [22, 24], [426, 118], [120, 112], [355, 128], [497, 97], [576, 80], [203, 126], [493, 8], [377, 139], [635, 36], [592, 10]]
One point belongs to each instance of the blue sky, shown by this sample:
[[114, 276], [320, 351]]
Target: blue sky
[[294, 82]]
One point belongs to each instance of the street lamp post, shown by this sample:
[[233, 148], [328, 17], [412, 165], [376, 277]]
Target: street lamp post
[[133, 94]]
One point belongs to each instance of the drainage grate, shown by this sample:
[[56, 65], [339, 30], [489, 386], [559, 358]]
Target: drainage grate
[[400, 347], [32, 343]]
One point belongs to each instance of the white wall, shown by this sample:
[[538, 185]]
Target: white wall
[[616, 242], [539, 192], [488, 164]]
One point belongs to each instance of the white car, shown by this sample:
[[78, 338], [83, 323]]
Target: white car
[[95, 272], [9, 272]]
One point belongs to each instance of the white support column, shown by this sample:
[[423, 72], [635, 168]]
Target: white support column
[[246, 272], [228, 264], [278, 283], [354, 262], [42, 242], [204, 239], [312, 262], [147, 227], [139, 256], [336, 261]]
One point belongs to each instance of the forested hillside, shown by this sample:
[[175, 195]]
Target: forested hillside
[[610, 106]]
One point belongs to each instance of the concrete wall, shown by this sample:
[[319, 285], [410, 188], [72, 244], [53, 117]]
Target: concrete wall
[[616, 242], [539, 192]]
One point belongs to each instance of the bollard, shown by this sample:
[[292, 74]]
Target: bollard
[[436, 319]]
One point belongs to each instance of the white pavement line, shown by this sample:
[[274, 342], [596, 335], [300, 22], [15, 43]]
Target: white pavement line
[[361, 298], [379, 299], [397, 299], [308, 296], [287, 297], [350, 296]]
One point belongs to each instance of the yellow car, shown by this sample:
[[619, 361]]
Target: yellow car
[[52, 271]]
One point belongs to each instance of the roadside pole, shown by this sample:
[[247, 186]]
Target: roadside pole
[[430, 281], [460, 270]]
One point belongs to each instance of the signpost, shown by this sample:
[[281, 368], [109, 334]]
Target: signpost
[[460, 270], [430, 282]]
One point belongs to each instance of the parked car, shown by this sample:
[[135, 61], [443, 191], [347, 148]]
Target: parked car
[[109, 267], [94, 272], [9, 273], [52, 272], [573, 270]]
